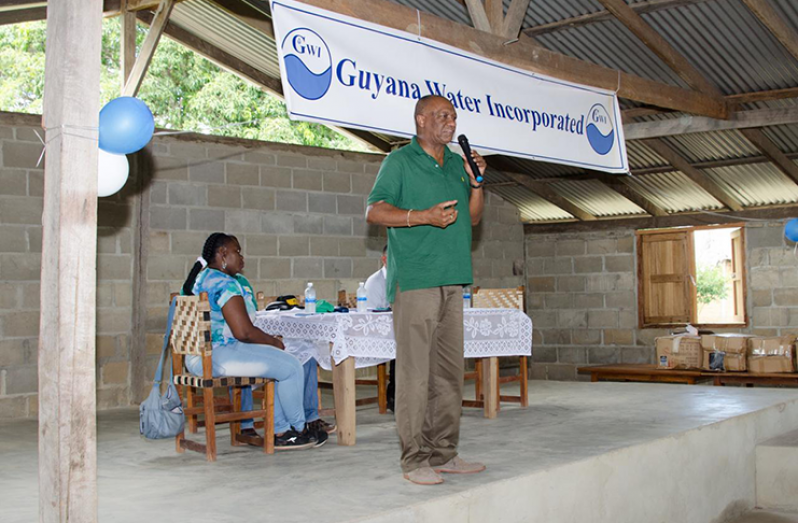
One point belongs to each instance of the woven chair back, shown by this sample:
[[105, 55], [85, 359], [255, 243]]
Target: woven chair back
[[499, 298], [191, 327], [347, 299]]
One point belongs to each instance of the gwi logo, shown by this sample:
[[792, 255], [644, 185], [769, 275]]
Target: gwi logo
[[308, 64], [600, 131]]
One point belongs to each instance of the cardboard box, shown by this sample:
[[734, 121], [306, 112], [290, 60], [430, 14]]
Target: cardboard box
[[724, 361], [733, 343], [679, 352], [775, 354]]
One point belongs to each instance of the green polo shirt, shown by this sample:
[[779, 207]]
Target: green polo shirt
[[424, 256]]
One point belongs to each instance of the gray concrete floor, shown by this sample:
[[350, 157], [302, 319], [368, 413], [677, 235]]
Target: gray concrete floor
[[143, 480], [766, 516]]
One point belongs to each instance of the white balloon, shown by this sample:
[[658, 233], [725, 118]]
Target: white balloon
[[112, 172]]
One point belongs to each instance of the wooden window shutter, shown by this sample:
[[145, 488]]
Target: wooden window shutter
[[738, 275], [666, 266]]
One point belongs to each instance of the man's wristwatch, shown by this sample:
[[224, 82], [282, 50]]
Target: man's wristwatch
[[477, 186]]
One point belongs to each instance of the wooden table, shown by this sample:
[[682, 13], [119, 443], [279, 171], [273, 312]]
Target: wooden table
[[364, 339]]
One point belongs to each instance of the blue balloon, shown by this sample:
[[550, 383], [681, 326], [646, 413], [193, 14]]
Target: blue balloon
[[126, 125], [791, 230]]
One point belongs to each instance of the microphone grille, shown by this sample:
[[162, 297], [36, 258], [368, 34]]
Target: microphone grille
[[462, 138]]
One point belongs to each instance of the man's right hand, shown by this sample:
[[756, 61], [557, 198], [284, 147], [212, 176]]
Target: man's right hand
[[442, 215]]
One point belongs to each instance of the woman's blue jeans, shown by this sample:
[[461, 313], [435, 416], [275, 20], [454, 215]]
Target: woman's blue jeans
[[262, 361]]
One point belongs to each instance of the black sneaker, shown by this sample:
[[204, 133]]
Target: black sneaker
[[293, 440], [317, 437], [320, 424]]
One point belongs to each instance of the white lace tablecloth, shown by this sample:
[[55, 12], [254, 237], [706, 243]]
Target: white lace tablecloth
[[368, 336]]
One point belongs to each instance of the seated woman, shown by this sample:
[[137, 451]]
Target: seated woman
[[241, 349]]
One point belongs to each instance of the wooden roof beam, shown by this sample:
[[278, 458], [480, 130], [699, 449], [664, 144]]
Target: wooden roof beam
[[623, 186], [514, 18], [478, 14], [548, 194], [526, 55], [659, 46], [139, 70], [773, 153], [18, 16], [698, 124], [733, 102], [600, 16], [490, 17], [248, 15], [762, 96], [243, 70], [680, 219], [775, 23], [698, 177]]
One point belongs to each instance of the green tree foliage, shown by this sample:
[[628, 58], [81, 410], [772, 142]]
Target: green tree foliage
[[183, 90], [711, 284]]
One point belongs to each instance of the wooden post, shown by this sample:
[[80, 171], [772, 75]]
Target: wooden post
[[67, 402]]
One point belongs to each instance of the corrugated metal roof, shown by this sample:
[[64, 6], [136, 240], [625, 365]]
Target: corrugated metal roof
[[532, 207], [207, 20], [721, 38], [674, 192], [596, 198], [755, 184]]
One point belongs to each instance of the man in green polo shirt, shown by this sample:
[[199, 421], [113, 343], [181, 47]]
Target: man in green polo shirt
[[429, 199]]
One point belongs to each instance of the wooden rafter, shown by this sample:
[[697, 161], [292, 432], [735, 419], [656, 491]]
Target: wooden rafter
[[514, 18], [495, 11], [240, 68], [600, 16], [248, 14], [478, 14], [698, 124], [623, 186], [659, 46], [733, 101], [548, 194], [127, 40], [763, 10], [698, 177], [525, 55], [680, 219], [772, 152], [763, 96], [18, 16], [133, 82]]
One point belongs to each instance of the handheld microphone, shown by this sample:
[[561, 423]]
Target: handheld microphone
[[463, 141]]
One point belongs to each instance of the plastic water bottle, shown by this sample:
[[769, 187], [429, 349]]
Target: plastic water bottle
[[310, 298], [467, 297], [362, 299]]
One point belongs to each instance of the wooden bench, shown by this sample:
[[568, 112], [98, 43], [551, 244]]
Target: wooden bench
[[645, 373], [652, 374]]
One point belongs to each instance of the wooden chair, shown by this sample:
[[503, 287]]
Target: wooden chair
[[349, 300], [191, 336], [500, 299]]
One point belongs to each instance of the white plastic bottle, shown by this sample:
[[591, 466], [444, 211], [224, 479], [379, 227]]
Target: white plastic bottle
[[467, 297], [362, 298], [310, 298]]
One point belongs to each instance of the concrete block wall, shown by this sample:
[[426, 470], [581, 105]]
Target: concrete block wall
[[583, 297], [298, 212], [21, 192]]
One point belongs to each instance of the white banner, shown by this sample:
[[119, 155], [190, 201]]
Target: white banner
[[342, 71]]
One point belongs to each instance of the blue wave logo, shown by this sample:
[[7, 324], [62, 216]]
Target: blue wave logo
[[308, 64], [600, 131]]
